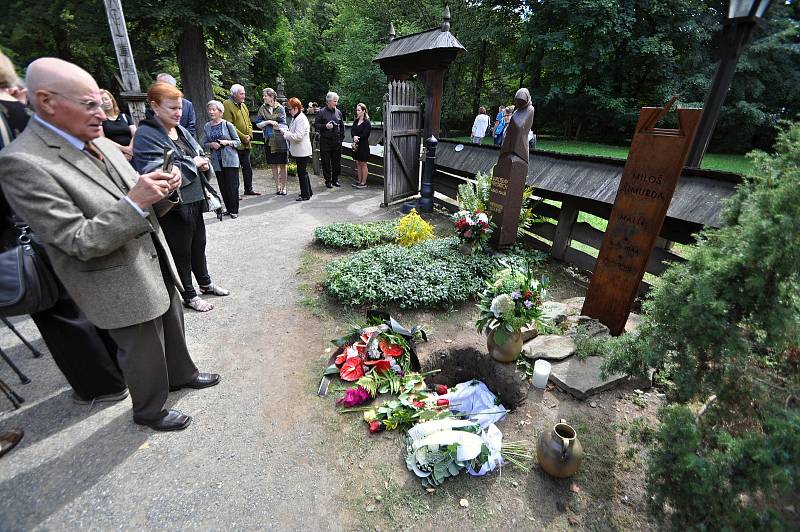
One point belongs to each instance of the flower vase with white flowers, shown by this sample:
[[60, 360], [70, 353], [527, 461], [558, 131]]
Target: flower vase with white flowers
[[512, 300]]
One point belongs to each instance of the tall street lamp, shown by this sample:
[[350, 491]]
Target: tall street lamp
[[737, 29]]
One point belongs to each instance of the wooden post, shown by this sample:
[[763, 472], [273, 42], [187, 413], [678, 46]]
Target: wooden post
[[648, 181], [132, 91], [433, 80], [563, 236]]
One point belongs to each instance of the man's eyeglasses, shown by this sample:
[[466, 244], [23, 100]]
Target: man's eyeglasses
[[91, 105]]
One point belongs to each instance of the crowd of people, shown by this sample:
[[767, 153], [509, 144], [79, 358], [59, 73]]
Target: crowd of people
[[123, 232]]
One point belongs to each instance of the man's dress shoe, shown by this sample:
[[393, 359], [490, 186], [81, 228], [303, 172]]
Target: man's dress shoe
[[203, 380], [10, 439], [174, 420]]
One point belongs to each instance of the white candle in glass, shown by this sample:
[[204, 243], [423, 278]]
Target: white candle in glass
[[541, 372]]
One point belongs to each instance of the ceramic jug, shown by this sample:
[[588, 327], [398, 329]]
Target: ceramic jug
[[559, 452]]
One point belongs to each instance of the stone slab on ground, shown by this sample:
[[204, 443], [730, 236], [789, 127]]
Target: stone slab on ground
[[581, 378], [549, 347], [593, 327], [634, 320], [529, 333], [461, 364], [555, 312], [574, 305]]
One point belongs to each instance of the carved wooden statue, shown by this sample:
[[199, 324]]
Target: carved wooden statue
[[511, 172]]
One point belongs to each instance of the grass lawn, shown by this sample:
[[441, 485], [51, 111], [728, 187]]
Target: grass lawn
[[737, 164]]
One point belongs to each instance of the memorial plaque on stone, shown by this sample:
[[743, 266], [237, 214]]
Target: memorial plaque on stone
[[648, 181], [510, 173]]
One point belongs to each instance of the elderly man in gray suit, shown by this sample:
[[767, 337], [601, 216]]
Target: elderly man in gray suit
[[96, 218]]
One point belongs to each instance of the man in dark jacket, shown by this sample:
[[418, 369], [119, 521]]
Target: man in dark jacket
[[330, 126]]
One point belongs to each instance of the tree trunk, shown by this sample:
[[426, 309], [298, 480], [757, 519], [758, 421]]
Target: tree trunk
[[479, 78], [193, 65]]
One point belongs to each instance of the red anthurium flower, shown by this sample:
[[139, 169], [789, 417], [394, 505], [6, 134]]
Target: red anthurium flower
[[379, 366], [442, 402], [441, 389], [351, 370], [366, 336], [340, 358], [418, 404], [375, 426], [392, 350], [361, 348]]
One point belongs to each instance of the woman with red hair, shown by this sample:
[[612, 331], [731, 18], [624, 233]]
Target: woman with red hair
[[300, 146], [183, 225]]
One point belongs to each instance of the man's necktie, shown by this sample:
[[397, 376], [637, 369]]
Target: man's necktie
[[92, 150]]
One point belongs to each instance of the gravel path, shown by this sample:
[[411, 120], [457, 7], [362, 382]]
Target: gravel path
[[252, 458]]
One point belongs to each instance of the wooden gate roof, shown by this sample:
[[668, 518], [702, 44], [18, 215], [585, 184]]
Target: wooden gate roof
[[697, 199], [425, 50]]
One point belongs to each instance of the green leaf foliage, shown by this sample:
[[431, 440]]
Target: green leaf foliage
[[432, 274], [726, 323], [356, 236]]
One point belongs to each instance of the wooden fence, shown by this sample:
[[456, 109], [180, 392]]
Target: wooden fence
[[586, 184], [571, 184]]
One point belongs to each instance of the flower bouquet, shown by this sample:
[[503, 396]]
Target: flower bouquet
[[512, 300], [439, 449], [382, 350], [472, 228]]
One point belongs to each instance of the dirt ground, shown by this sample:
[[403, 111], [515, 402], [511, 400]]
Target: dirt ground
[[263, 451], [608, 493]]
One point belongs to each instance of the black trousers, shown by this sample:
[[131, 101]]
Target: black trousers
[[331, 163], [229, 188], [186, 235], [247, 169], [302, 176], [86, 355], [153, 356]]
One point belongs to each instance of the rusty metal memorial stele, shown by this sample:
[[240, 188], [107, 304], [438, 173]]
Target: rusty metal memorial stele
[[651, 173], [510, 173]]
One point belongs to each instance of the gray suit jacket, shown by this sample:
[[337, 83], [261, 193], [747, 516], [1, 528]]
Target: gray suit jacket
[[100, 247]]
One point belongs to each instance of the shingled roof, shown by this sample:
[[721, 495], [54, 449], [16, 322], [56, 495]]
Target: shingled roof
[[432, 49], [424, 41]]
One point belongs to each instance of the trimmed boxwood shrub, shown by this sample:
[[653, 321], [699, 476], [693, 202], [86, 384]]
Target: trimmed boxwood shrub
[[428, 275], [356, 236]]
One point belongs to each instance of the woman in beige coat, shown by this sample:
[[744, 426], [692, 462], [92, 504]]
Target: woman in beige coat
[[298, 135]]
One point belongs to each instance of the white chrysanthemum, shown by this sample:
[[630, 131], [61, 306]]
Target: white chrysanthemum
[[501, 304], [483, 218]]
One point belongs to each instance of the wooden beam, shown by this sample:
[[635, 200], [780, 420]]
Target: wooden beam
[[127, 67], [566, 223]]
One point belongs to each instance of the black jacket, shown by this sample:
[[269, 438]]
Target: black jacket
[[329, 138]]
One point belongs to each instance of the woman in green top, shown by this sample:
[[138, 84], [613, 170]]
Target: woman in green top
[[270, 116]]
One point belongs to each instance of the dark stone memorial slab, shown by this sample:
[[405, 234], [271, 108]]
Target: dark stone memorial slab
[[510, 173], [648, 181]]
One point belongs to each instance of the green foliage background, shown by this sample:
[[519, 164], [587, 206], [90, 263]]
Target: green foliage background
[[725, 326], [590, 64]]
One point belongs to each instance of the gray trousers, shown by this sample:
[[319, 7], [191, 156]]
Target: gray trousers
[[153, 356]]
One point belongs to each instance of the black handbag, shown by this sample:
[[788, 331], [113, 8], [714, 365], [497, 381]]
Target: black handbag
[[27, 284]]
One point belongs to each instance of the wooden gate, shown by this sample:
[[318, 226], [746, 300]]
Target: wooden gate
[[401, 142]]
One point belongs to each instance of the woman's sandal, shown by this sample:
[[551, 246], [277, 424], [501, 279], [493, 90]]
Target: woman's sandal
[[214, 290], [198, 304]]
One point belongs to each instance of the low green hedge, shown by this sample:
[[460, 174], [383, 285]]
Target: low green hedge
[[356, 236], [432, 274]]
